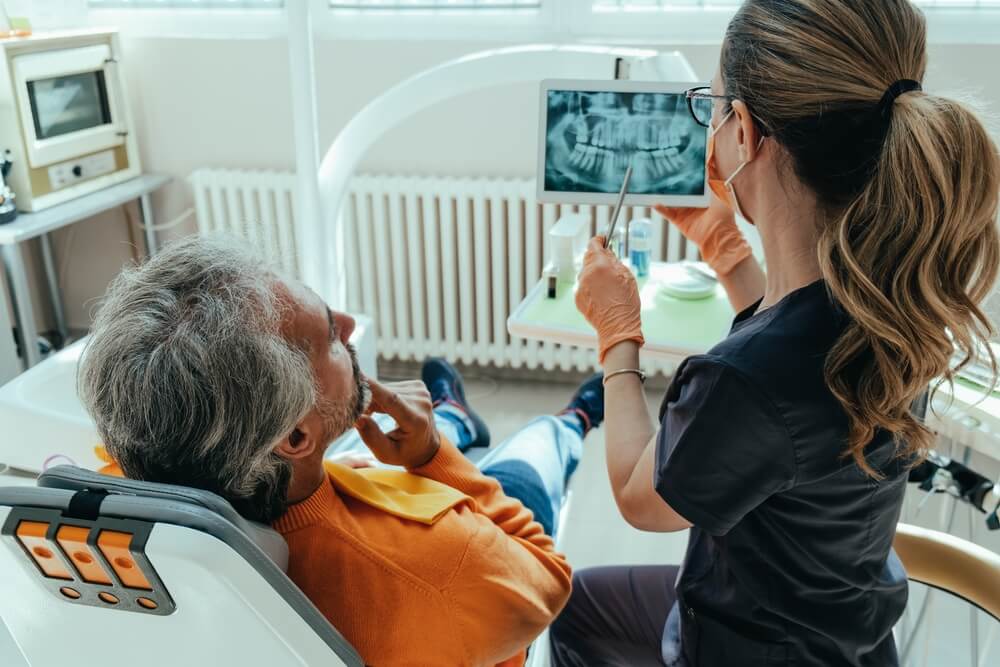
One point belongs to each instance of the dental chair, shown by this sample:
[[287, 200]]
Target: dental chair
[[102, 570], [951, 564]]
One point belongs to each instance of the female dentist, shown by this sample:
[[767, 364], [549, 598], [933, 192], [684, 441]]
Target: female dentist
[[785, 448]]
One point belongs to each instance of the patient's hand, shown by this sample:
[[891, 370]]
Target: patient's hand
[[415, 440]]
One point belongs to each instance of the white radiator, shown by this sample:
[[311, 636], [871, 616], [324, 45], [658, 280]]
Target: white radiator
[[438, 263], [255, 205]]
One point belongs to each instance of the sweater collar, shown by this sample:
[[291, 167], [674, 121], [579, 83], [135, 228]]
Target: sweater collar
[[312, 510]]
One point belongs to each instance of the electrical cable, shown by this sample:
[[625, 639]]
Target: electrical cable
[[184, 215], [912, 633], [973, 618], [67, 256], [985, 653], [491, 386]]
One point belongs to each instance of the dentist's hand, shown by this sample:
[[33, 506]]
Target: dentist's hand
[[714, 231], [415, 440], [608, 296]]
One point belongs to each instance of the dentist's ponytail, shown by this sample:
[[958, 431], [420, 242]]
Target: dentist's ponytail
[[919, 278], [908, 183]]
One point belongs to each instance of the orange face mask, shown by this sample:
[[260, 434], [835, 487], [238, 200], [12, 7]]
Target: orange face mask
[[715, 180], [723, 188]]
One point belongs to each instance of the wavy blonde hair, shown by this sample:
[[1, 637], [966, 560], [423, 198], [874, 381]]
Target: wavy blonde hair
[[908, 244]]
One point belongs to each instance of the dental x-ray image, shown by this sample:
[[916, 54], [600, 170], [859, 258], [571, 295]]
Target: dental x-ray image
[[591, 138]]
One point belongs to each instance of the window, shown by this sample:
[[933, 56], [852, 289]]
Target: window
[[226, 19], [650, 5], [697, 21], [433, 5], [186, 4], [661, 22], [653, 5], [498, 20], [502, 20]]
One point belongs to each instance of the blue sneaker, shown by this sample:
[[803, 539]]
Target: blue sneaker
[[444, 383], [587, 403]]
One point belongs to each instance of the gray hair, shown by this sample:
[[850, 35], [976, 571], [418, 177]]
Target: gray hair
[[189, 378]]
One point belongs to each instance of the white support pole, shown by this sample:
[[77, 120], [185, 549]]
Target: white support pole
[[317, 238]]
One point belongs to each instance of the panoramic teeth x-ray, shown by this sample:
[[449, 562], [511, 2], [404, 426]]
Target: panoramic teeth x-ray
[[593, 136]]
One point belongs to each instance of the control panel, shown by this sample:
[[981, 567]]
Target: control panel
[[74, 171]]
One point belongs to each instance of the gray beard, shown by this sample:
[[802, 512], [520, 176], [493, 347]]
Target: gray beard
[[339, 416]]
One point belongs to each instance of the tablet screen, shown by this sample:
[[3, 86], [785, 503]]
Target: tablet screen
[[591, 137]]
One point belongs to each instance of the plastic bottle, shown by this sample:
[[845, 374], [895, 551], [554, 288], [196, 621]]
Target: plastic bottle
[[640, 246]]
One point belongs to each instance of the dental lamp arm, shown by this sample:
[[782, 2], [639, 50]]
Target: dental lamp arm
[[322, 266]]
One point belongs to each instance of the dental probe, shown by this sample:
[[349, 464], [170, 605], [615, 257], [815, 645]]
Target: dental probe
[[618, 207]]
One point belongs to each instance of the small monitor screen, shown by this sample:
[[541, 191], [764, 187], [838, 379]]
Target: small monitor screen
[[592, 136], [65, 104]]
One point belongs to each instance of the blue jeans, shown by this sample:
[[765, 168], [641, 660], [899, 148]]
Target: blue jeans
[[534, 465]]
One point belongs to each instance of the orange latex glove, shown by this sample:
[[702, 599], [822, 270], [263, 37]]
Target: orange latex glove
[[713, 230], [608, 296]]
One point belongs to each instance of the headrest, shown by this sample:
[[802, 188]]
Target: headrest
[[72, 478]]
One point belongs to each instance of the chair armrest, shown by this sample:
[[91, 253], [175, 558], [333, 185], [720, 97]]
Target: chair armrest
[[951, 564]]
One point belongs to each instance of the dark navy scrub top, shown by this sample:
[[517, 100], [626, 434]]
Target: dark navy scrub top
[[789, 561]]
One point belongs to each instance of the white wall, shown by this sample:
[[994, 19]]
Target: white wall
[[206, 102]]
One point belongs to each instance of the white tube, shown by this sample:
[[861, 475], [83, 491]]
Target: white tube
[[319, 245], [467, 74]]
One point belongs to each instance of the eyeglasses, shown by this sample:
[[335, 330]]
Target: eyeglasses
[[701, 102]]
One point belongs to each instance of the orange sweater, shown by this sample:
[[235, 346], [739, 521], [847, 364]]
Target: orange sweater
[[473, 589]]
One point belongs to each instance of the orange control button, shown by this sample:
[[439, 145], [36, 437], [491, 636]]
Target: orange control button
[[71, 593], [31, 534], [115, 547], [73, 540]]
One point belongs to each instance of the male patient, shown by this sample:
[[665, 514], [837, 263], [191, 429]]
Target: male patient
[[206, 369]]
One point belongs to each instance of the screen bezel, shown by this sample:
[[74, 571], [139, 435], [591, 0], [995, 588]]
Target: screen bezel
[[102, 98], [64, 61], [601, 198]]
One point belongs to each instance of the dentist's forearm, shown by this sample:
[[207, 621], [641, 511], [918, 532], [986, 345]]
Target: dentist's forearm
[[627, 422], [745, 284]]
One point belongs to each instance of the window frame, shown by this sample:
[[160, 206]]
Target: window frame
[[945, 25], [497, 26], [701, 25], [224, 5], [558, 21], [465, 25], [192, 23]]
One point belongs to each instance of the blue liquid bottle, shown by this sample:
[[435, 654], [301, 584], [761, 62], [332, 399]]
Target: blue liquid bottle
[[640, 246]]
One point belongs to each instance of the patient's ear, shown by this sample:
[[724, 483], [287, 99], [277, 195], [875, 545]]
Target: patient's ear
[[300, 443]]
